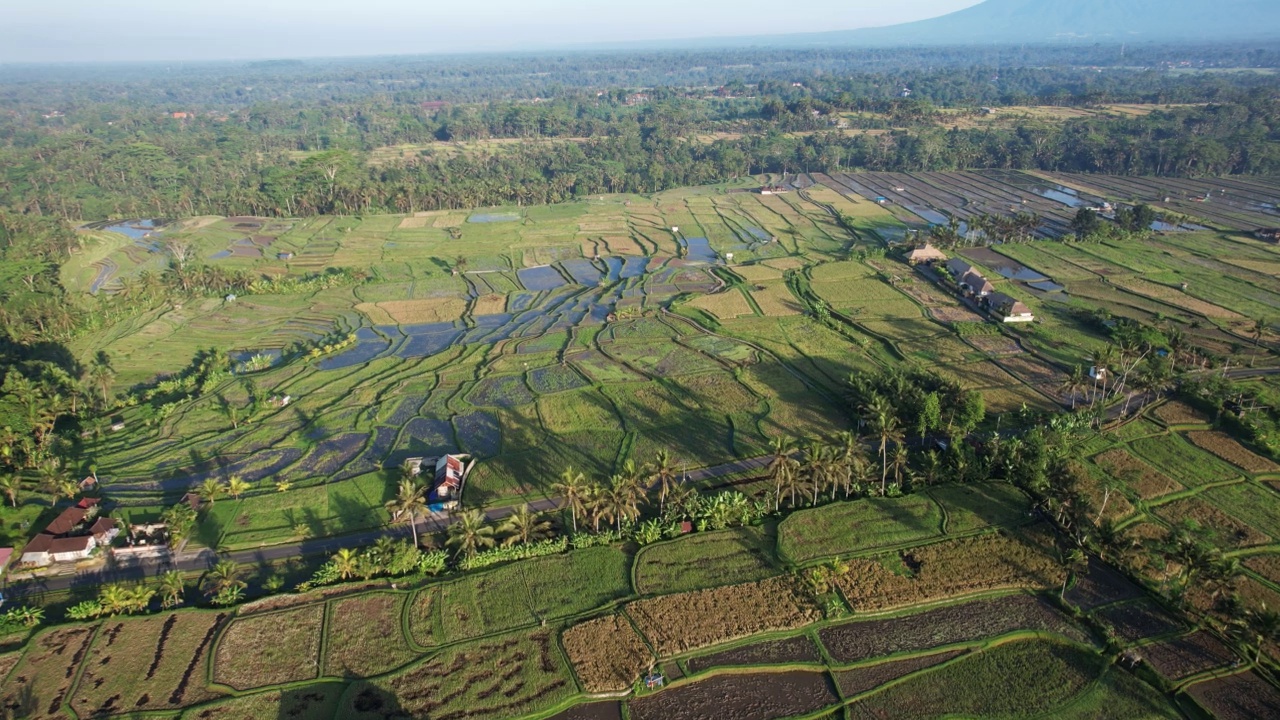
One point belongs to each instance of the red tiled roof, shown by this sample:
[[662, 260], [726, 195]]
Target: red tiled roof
[[66, 522], [5, 554], [39, 543], [72, 544], [102, 525], [87, 503]]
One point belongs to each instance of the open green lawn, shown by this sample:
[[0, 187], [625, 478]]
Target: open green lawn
[[726, 557], [532, 591]]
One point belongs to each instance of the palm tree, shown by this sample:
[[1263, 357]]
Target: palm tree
[[114, 599], [884, 425], [901, 463], [11, 486], [663, 473], [209, 490], [236, 486], [171, 589], [816, 467], [1111, 484], [345, 563], [1259, 327], [574, 489], [1072, 384], [224, 577], [470, 534], [620, 500], [410, 501], [525, 526], [782, 468]]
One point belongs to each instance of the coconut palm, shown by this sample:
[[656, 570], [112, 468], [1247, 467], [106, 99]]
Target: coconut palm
[[816, 468], [114, 599], [1072, 384], [525, 526], [210, 490], [884, 427], [621, 500], [663, 473], [346, 563], [224, 577], [11, 487], [236, 486], [409, 502], [782, 468], [574, 489], [1259, 327], [172, 587], [470, 534]]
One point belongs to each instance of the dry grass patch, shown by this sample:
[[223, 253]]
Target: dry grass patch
[[946, 570], [414, 312], [153, 663], [1175, 297], [1230, 530], [679, 623], [757, 273], [623, 245], [776, 300], [1145, 480], [1180, 413], [1226, 447], [490, 305], [270, 649], [40, 682], [606, 653], [364, 636], [725, 305], [415, 223], [786, 263], [1268, 566]]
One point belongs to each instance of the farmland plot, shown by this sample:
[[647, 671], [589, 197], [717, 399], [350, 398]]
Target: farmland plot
[[270, 649], [606, 653], [705, 560]]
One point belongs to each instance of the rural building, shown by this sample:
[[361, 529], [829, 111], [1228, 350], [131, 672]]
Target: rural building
[[66, 539], [1268, 234], [449, 474], [88, 483], [926, 254], [104, 530], [179, 115], [5, 555], [70, 549], [774, 190], [434, 105], [1008, 308], [974, 284], [286, 255], [958, 267], [37, 551]]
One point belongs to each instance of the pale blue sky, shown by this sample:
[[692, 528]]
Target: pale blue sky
[[115, 30]]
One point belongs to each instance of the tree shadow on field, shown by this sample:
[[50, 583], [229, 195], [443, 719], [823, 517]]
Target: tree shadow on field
[[325, 699], [366, 701]]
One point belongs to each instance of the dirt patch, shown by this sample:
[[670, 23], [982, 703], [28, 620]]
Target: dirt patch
[[862, 640], [1226, 447], [954, 315], [1187, 656], [1238, 697], [270, 649], [1101, 585], [995, 344], [592, 711], [1137, 620], [742, 697], [860, 680], [774, 652], [1228, 529], [606, 653], [1180, 413], [1145, 480]]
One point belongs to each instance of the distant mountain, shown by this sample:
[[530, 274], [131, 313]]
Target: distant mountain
[[1065, 21]]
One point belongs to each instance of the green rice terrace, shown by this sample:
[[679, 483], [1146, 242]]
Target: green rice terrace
[[855, 492]]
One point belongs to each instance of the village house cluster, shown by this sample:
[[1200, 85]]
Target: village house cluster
[[73, 535], [973, 284]]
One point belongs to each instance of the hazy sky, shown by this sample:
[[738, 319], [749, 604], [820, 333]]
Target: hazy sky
[[113, 30]]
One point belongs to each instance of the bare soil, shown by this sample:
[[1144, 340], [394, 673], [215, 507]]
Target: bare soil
[[759, 696], [860, 680], [774, 652], [1238, 697], [1187, 656]]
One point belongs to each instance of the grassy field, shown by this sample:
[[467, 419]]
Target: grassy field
[[703, 560], [533, 591]]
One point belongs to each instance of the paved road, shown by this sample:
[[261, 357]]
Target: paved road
[[203, 559]]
